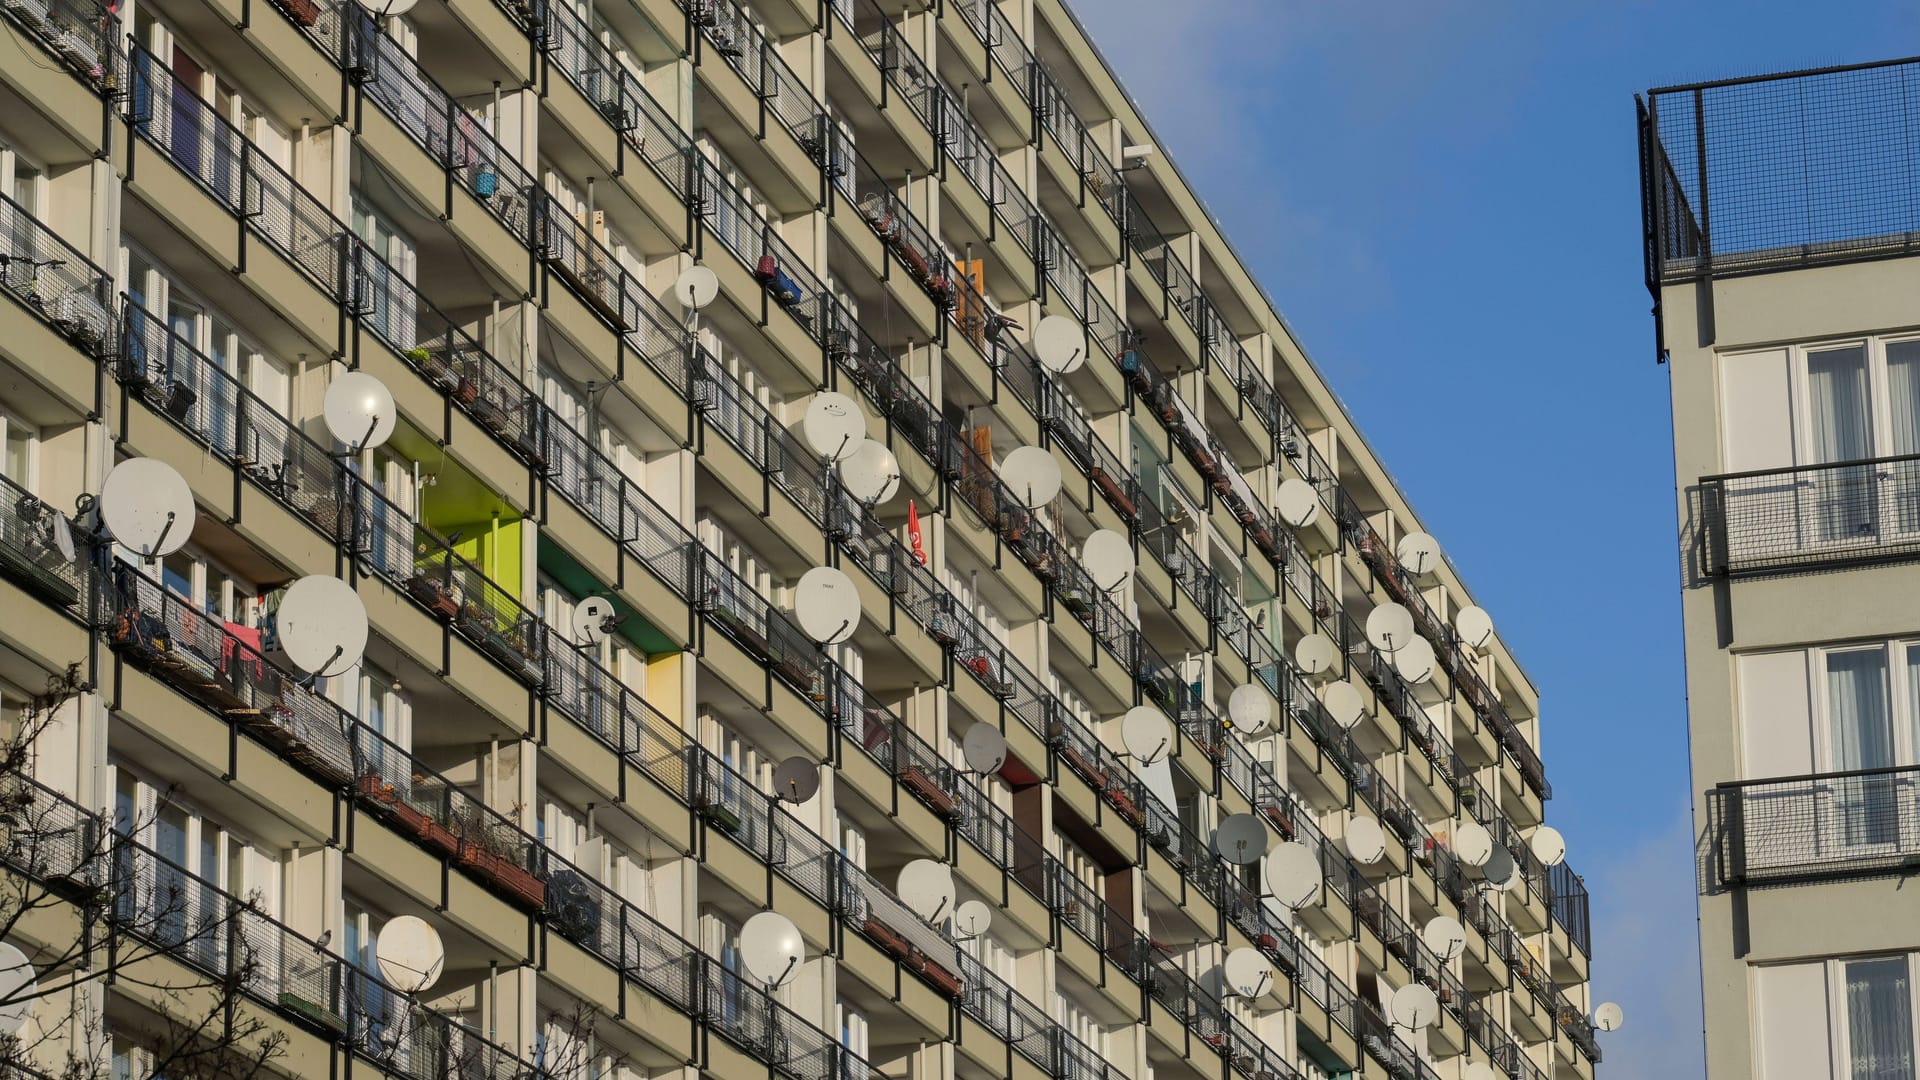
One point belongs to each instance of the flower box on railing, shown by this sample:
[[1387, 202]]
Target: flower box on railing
[[304, 12], [1114, 493], [515, 880], [434, 594], [915, 778], [312, 1013], [944, 981], [884, 936], [752, 640], [1281, 819], [719, 815]]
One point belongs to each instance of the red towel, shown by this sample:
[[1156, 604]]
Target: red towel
[[236, 636]]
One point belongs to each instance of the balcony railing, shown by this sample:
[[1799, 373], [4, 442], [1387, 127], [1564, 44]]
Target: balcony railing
[[80, 33], [1797, 829], [30, 553], [1806, 517], [51, 278]]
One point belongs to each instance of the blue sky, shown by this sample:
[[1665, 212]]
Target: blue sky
[[1443, 200]]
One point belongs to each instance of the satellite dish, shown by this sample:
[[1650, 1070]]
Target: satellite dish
[[1248, 973], [1474, 626], [1419, 553], [827, 604], [1366, 841], [1297, 502], [971, 919], [1060, 344], [1108, 557], [985, 749], [1414, 1007], [1292, 874], [593, 620], [1479, 1070], [926, 887], [410, 954], [1548, 846], [870, 472], [1500, 870], [359, 411], [62, 532], [1032, 474], [696, 287], [1389, 627], [1240, 839], [833, 425], [796, 779], [1445, 936], [18, 988], [1316, 653], [1472, 843], [148, 507], [771, 949], [321, 624], [1249, 709], [1147, 734], [1344, 702], [1609, 1017], [1414, 661], [388, 7]]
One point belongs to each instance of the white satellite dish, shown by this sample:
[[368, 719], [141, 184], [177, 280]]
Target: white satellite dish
[[359, 411], [593, 620], [1240, 839], [971, 919], [1366, 841], [386, 8], [1344, 702], [1415, 661], [1474, 626], [18, 987], [1609, 1016], [321, 624], [833, 425], [771, 949], [696, 287], [1297, 502], [1389, 627], [410, 954], [1108, 557], [1060, 344], [796, 779], [1472, 843], [1292, 874], [1548, 846], [1500, 870], [1445, 936], [148, 507], [926, 887], [1250, 709], [1479, 1070], [1316, 653], [985, 749], [1248, 974], [1147, 734], [1419, 553], [1414, 1007], [1032, 474], [827, 605], [62, 534], [870, 473]]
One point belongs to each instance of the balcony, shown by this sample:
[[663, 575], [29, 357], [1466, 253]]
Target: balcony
[[1799, 829], [30, 554], [51, 278], [1809, 517]]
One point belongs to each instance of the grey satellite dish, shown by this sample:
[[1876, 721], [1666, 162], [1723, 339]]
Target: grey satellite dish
[[1060, 344], [386, 8], [833, 425], [1445, 936], [1548, 846], [827, 604], [19, 986], [771, 949], [1609, 1016], [1108, 557], [870, 474], [1472, 843], [1316, 654], [1297, 502], [1240, 839], [1366, 841], [1032, 474], [696, 287], [593, 620], [148, 507], [61, 532], [321, 624], [1147, 734], [359, 411], [971, 920], [1419, 553], [1389, 627], [1344, 702], [926, 887], [1250, 709], [410, 955], [1500, 870], [1415, 661], [984, 748], [796, 779], [1414, 1007], [1248, 974], [1292, 874], [1474, 626]]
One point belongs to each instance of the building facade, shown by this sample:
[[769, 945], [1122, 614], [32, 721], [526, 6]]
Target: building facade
[[1779, 237], [215, 209]]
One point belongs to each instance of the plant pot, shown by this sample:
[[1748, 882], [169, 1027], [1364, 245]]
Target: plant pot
[[916, 780]]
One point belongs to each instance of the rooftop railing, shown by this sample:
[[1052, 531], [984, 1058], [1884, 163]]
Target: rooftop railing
[[1810, 517]]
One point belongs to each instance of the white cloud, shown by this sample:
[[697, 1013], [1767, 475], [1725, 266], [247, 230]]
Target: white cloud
[[1646, 955]]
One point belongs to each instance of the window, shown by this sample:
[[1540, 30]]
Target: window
[[22, 447], [1866, 1004], [389, 299]]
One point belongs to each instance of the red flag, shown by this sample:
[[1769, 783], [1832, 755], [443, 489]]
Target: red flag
[[913, 532]]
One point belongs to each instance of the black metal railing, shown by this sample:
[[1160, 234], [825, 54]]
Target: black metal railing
[[1795, 829], [1804, 517], [54, 280], [32, 556]]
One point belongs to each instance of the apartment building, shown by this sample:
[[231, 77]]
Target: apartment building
[[218, 209], [1779, 235]]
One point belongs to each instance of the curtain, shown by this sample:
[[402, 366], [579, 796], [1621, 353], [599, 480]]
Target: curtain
[[1860, 731], [1879, 1020], [1903, 386], [1837, 381]]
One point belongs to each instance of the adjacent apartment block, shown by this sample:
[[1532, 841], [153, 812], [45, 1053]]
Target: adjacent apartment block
[[211, 211], [1781, 231]]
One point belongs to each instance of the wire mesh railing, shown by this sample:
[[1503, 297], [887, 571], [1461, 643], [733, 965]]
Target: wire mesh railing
[[1797, 829], [79, 33], [1810, 517], [726, 30], [52, 279], [42, 551]]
